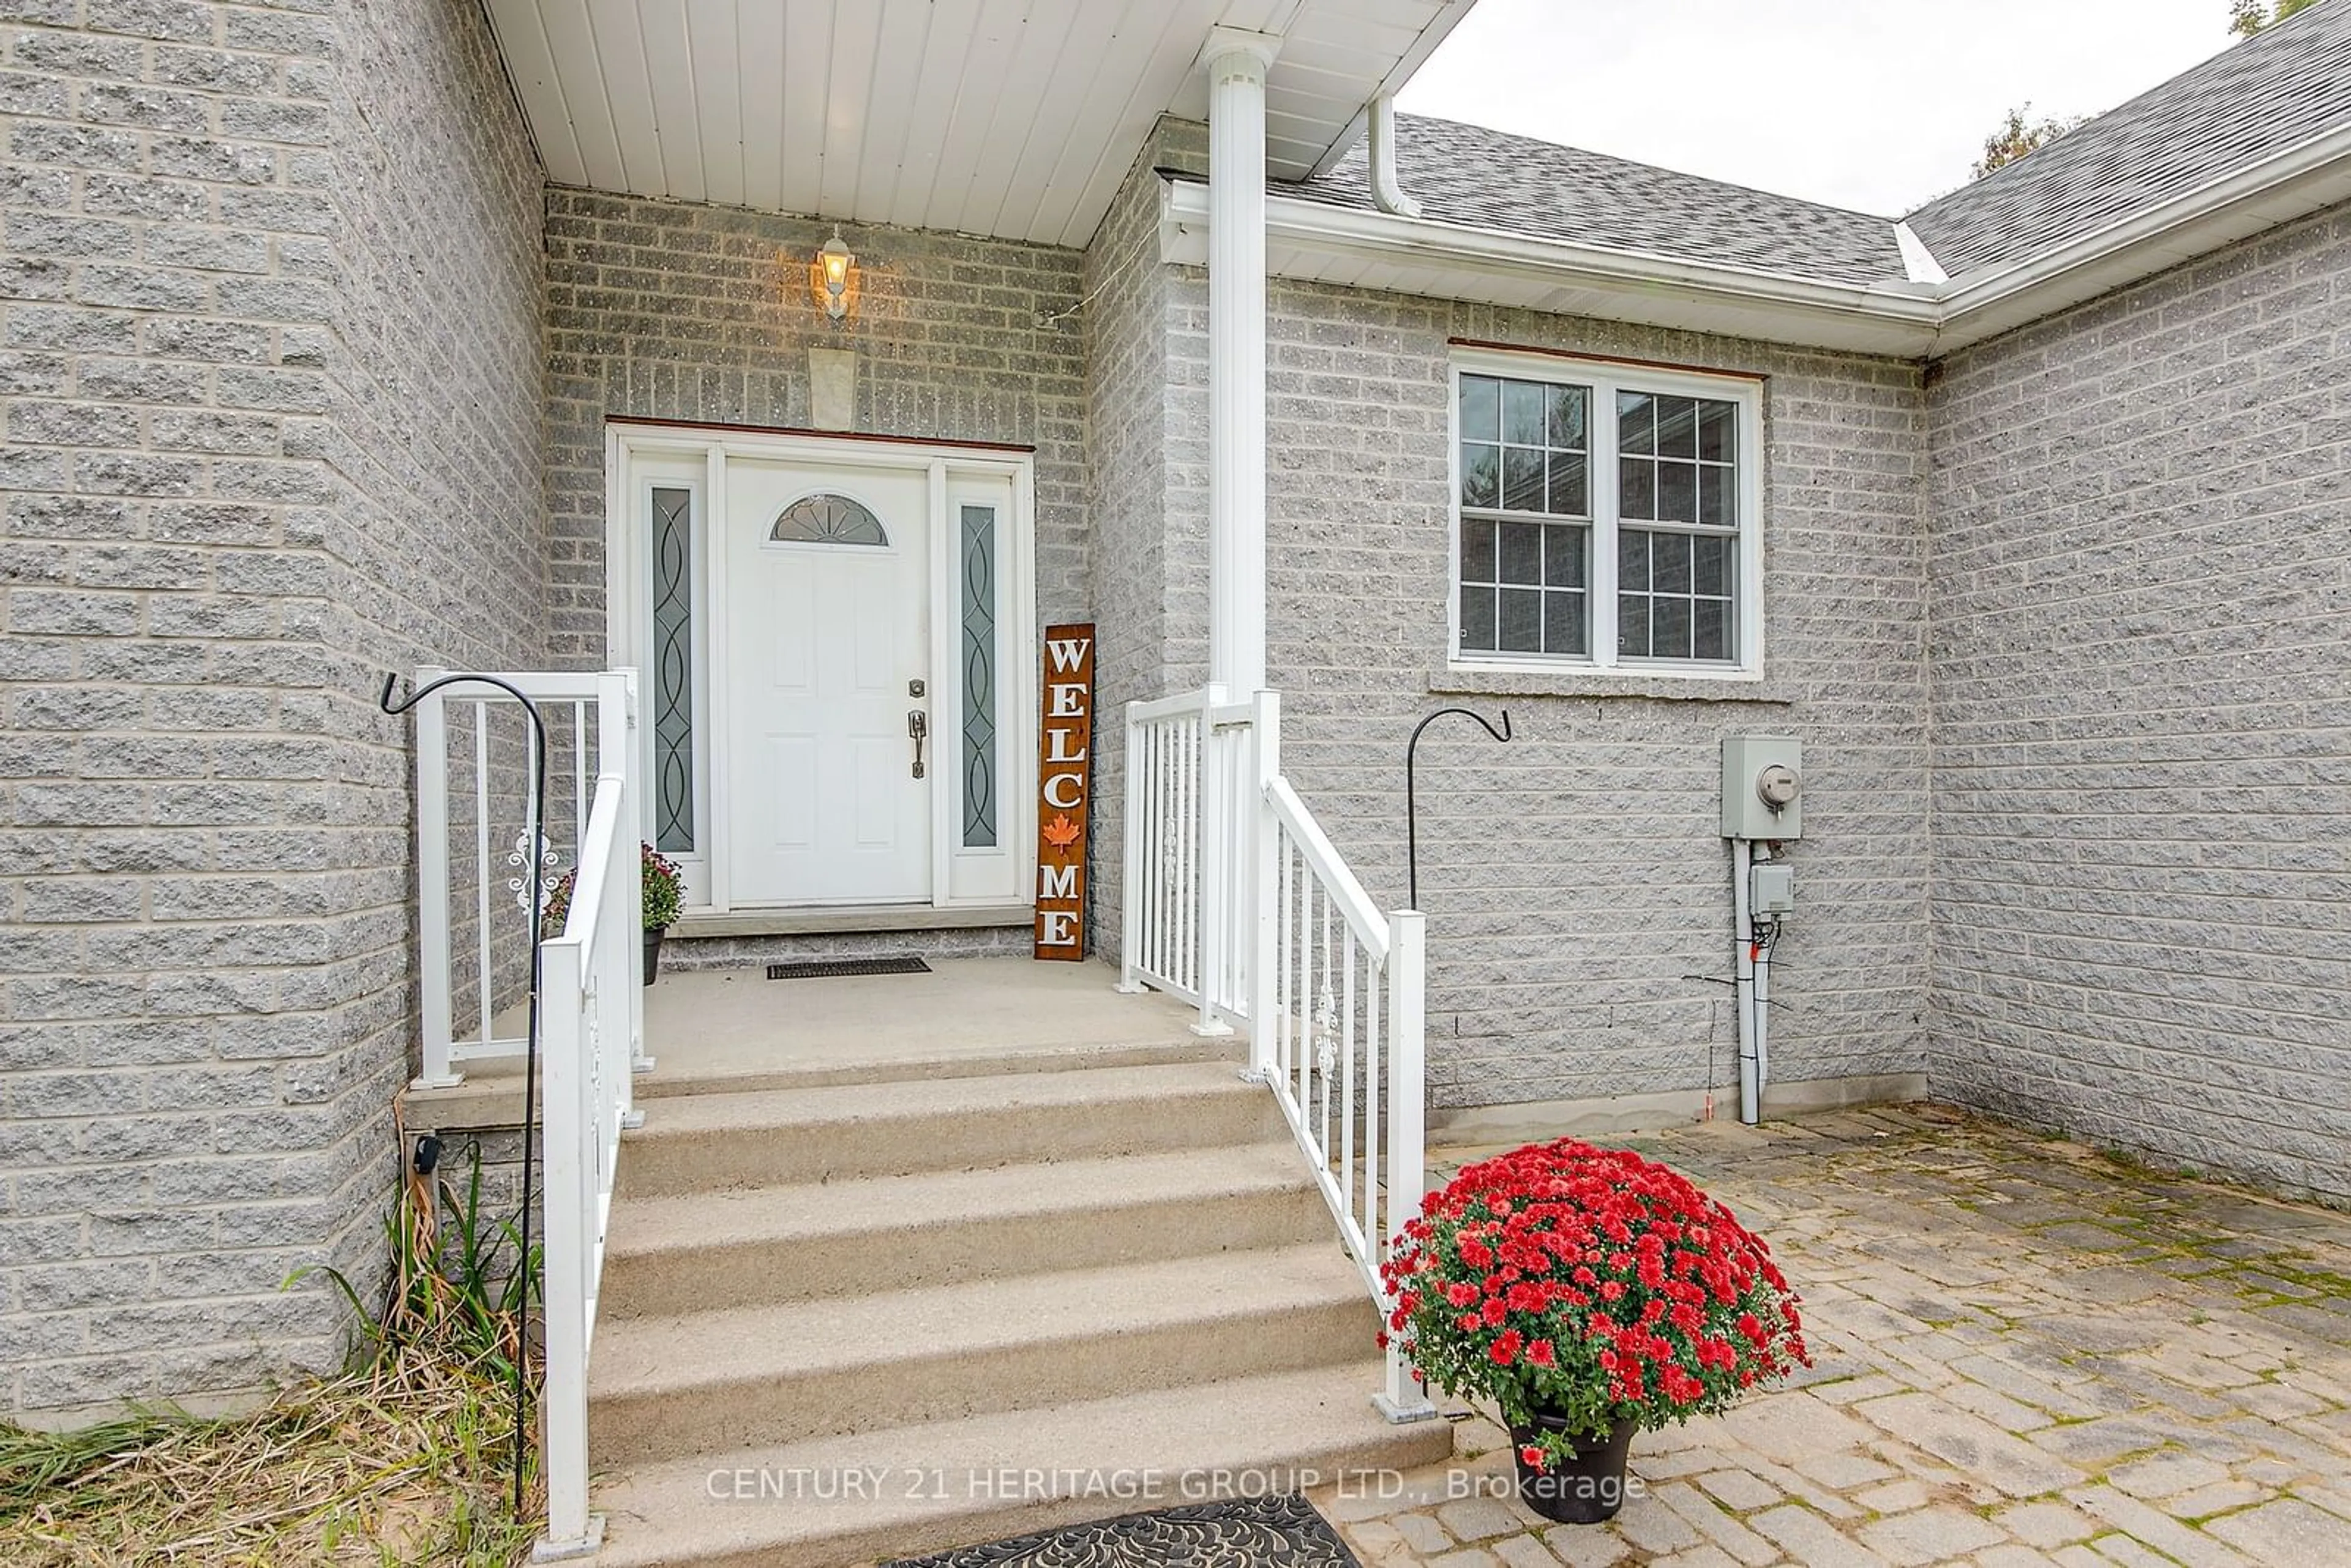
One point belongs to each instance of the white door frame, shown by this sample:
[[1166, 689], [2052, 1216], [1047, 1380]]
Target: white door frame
[[1006, 874]]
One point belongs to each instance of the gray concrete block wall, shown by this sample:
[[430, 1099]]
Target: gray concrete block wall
[[2141, 574], [270, 381], [673, 310], [439, 552], [1139, 421], [1573, 880]]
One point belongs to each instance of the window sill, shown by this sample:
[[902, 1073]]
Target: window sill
[[1566, 683]]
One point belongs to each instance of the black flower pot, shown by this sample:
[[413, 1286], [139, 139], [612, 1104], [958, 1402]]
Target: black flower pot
[[653, 952], [1585, 1488]]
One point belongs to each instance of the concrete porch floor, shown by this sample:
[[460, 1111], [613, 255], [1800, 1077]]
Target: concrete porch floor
[[2028, 1353], [713, 1031]]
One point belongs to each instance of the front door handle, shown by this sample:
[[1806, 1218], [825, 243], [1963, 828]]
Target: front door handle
[[918, 725]]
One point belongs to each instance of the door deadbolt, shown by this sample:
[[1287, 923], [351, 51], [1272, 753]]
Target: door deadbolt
[[914, 688]]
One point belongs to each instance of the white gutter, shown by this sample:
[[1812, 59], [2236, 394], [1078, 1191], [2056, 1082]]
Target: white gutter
[[1967, 304], [1386, 193], [1918, 318], [1293, 222]]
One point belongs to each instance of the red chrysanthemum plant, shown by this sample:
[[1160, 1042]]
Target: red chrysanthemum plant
[[1589, 1285]]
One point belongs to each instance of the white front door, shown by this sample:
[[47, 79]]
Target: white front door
[[827, 597]]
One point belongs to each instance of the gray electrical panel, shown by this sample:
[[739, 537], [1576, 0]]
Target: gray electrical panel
[[1762, 787]]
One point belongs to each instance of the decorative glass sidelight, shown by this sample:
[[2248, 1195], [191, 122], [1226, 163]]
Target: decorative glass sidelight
[[673, 669], [978, 574]]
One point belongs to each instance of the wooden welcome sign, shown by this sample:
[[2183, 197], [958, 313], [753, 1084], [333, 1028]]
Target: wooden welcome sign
[[1064, 789]]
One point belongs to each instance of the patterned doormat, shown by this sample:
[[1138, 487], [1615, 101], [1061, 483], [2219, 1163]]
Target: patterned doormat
[[840, 968], [1281, 1532]]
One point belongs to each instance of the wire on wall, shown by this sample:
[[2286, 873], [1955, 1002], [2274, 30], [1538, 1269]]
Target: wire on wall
[[1047, 320]]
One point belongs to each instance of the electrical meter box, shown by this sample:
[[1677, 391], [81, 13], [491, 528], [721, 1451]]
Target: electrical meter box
[[1762, 787]]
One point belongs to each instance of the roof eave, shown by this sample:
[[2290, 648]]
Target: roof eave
[[2293, 183], [1314, 241], [1403, 71]]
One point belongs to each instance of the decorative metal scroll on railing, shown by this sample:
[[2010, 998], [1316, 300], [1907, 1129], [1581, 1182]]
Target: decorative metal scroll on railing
[[479, 874], [1236, 901], [1342, 1042], [583, 985]]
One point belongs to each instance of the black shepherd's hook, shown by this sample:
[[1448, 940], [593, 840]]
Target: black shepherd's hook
[[537, 830], [1412, 804]]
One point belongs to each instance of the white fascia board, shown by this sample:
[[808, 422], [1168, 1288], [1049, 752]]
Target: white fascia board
[[1464, 262], [1910, 320], [2295, 182]]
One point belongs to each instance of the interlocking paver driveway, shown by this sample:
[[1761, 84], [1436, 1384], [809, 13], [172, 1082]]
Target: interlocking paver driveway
[[2028, 1353]]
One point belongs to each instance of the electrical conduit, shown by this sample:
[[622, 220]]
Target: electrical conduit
[[1742, 935]]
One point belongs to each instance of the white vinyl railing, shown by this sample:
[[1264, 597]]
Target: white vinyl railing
[[476, 756], [1236, 901], [478, 872], [1189, 769], [591, 980], [1343, 1041]]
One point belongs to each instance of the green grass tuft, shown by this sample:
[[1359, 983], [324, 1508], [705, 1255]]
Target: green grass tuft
[[404, 1457]]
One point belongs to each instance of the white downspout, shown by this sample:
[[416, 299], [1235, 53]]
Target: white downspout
[[1742, 937], [1387, 193], [1237, 62], [1760, 949]]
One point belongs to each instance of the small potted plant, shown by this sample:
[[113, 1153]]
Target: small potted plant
[[663, 894], [1589, 1293]]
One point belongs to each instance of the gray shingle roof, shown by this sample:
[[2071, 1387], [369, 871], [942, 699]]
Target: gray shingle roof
[[2250, 102], [2253, 100], [1490, 180]]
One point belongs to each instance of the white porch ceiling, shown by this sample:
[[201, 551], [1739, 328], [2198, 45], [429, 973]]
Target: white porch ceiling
[[1009, 118]]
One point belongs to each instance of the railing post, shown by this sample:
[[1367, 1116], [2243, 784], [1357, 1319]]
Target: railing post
[[1215, 885], [1130, 886], [1404, 1399], [439, 1017], [617, 708], [571, 1530], [620, 969], [617, 997], [1265, 870]]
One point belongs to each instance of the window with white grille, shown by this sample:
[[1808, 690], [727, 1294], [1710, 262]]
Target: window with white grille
[[1605, 517]]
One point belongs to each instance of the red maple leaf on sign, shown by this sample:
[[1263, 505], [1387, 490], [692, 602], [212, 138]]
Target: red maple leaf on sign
[[1061, 833]]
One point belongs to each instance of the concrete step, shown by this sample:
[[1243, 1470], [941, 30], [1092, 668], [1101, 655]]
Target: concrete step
[[749, 1246], [673, 1386], [947, 1483], [706, 1142], [682, 1075]]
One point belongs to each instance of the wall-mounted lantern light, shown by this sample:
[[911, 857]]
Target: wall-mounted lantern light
[[833, 277]]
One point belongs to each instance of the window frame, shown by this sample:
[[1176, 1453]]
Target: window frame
[[1605, 379]]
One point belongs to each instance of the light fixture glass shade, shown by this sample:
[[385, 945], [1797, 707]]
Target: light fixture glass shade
[[833, 263]]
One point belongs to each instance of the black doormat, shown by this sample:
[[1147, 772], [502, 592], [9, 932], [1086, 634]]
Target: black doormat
[[835, 968], [1281, 1532]]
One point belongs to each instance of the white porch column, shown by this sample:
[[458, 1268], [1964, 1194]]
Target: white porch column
[[1237, 63]]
